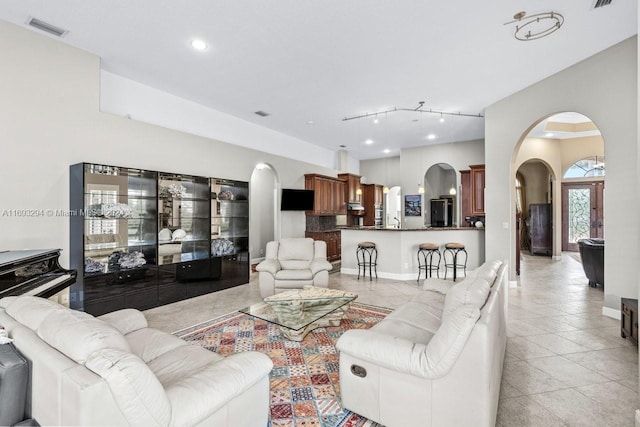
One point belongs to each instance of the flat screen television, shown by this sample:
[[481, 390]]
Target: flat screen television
[[296, 200]]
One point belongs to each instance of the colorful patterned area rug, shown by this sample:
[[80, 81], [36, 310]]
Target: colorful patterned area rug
[[305, 382]]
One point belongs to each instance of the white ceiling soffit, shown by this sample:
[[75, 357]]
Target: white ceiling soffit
[[565, 126], [309, 64]]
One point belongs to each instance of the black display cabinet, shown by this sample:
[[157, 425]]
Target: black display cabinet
[[113, 237], [140, 238], [183, 237], [229, 232]]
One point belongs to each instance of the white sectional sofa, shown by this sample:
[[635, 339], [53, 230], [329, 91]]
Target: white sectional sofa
[[114, 370], [434, 361]]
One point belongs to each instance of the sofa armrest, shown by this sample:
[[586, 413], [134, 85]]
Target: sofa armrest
[[269, 265], [432, 360], [198, 396], [319, 264], [126, 320]]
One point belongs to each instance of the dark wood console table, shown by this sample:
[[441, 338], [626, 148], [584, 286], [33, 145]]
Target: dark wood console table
[[629, 321]]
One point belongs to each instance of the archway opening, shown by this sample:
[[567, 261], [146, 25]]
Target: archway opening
[[545, 165], [440, 196], [264, 215]]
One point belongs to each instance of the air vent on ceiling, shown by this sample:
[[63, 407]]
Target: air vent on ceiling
[[600, 3], [261, 113], [46, 27]]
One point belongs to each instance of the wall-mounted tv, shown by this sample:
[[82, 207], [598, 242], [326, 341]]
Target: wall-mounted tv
[[296, 200]]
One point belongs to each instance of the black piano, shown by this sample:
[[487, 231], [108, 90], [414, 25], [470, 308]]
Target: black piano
[[34, 272]]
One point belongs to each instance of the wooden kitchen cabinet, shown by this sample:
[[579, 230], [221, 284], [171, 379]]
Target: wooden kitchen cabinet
[[465, 194], [629, 320], [332, 239], [477, 178], [328, 194], [352, 186]]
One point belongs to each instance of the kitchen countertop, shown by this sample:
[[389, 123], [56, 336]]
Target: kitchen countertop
[[372, 228]]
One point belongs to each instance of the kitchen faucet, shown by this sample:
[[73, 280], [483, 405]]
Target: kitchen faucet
[[398, 224]]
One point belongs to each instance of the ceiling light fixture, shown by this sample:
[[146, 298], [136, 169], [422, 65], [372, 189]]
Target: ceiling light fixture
[[386, 151], [431, 136], [420, 108], [198, 44], [375, 120], [369, 141], [536, 26], [441, 118], [548, 134], [420, 188]]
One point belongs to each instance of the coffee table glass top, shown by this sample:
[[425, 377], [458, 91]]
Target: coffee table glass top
[[297, 311]]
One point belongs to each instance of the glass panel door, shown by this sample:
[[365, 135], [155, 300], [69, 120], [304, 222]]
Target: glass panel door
[[582, 213]]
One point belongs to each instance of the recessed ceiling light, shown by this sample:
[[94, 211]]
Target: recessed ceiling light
[[431, 136], [548, 134], [309, 122], [198, 44], [369, 141], [386, 151]]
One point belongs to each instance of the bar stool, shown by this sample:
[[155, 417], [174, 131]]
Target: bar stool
[[367, 256], [426, 252], [454, 250]]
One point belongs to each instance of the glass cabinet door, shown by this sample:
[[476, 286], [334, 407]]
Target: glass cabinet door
[[229, 217], [183, 218], [119, 218]]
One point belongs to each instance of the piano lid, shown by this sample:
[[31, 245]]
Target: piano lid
[[33, 272]]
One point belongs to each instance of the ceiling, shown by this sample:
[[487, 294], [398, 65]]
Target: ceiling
[[309, 64], [564, 126]]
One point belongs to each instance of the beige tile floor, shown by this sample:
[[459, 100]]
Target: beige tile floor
[[565, 365]]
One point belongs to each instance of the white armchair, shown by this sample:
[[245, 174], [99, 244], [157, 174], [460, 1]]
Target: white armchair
[[292, 264]]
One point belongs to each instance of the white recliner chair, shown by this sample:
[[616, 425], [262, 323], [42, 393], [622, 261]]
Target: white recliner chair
[[292, 264]]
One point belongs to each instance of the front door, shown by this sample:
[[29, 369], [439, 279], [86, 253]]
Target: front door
[[582, 212]]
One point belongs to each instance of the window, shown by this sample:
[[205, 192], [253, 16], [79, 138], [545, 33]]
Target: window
[[586, 168]]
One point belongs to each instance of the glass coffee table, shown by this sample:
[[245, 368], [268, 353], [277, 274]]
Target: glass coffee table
[[299, 311]]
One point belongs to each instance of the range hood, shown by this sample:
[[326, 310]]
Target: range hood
[[355, 207]]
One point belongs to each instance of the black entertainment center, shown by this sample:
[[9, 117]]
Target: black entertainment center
[[141, 238]]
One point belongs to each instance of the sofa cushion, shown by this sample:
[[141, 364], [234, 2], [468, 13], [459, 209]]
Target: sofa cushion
[[126, 320], [295, 249], [74, 333], [486, 271], [31, 311], [447, 344], [136, 390], [412, 321], [471, 291], [149, 344], [172, 366], [78, 335], [304, 274]]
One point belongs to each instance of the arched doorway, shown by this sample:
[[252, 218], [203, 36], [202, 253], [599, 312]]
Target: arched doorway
[[552, 145], [264, 224], [440, 184]]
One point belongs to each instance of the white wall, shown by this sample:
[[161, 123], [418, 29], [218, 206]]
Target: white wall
[[263, 211], [128, 98], [604, 88], [384, 171], [50, 119], [414, 163]]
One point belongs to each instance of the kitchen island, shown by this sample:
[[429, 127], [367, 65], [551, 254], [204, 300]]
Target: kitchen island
[[398, 248]]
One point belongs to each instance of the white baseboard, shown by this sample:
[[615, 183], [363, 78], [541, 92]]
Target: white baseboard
[[612, 312], [637, 417], [513, 283], [382, 274]]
